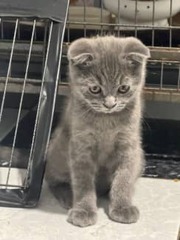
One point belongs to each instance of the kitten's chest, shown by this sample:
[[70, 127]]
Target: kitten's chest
[[105, 146]]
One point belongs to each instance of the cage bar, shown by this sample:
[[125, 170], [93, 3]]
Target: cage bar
[[21, 101], [39, 104]]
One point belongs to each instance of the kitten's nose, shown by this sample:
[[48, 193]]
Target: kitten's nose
[[110, 102]]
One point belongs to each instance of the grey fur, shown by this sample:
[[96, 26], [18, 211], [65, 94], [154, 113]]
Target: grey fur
[[98, 145]]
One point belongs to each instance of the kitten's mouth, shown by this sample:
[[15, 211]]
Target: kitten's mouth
[[110, 110], [113, 110]]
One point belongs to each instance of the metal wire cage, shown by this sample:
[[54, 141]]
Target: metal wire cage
[[159, 29], [30, 56], [157, 24]]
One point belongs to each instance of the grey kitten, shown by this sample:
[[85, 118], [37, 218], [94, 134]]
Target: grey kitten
[[98, 145]]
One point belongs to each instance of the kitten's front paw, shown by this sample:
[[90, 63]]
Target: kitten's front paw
[[81, 217], [124, 215]]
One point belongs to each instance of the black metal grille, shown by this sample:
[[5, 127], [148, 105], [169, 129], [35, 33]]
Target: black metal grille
[[30, 54], [18, 56]]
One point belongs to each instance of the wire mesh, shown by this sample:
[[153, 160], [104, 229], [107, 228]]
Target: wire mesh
[[24, 45], [158, 27]]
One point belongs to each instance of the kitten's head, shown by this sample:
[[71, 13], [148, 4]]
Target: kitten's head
[[107, 72]]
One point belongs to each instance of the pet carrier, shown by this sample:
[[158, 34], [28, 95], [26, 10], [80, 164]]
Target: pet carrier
[[31, 36], [157, 24]]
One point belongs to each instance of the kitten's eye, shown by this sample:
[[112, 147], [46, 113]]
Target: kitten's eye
[[123, 89], [95, 89]]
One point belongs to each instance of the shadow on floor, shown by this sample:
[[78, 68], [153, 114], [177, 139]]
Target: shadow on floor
[[49, 203]]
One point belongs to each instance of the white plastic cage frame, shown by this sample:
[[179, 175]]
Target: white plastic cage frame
[[30, 57]]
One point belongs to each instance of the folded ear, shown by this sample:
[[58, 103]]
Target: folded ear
[[80, 52], [135, 50], [82, 59]]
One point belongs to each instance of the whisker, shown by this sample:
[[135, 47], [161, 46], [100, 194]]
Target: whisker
[[85, 113], [146, 123]]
